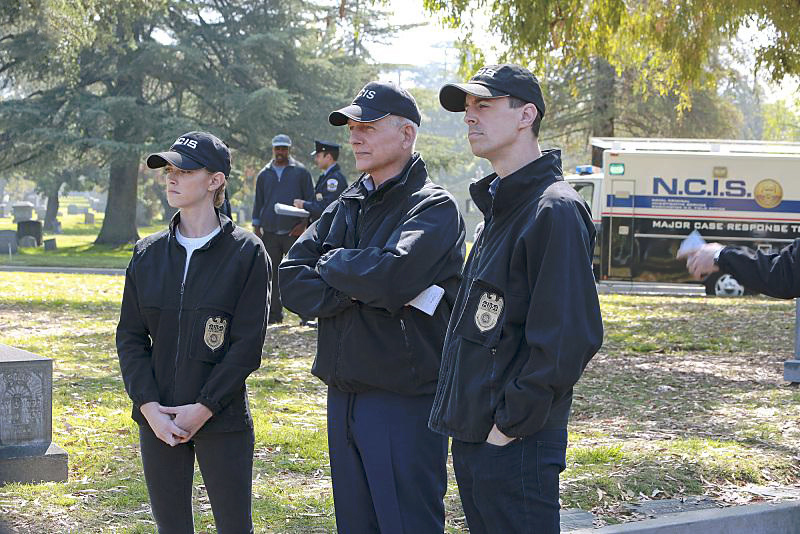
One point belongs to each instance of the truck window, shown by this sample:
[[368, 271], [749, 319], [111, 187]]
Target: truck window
[[586, 190]]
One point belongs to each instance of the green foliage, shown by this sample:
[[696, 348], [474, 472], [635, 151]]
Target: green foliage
[[671, 44], [782, 121]]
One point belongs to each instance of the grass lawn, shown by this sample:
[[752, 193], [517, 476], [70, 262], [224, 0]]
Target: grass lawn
[[75, 244], [685, 398]]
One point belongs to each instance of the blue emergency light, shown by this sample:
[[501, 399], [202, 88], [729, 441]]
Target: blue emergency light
[[584, 169]]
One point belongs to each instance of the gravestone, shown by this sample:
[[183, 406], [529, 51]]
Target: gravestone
[[28, 241], [41, 213], [8, 242], [27, 453], [31, 228], [88, 218], [50, 244], [23, 211], [72, 209], [83, 210]]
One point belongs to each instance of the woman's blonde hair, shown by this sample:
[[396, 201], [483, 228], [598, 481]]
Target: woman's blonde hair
[[219, 194]]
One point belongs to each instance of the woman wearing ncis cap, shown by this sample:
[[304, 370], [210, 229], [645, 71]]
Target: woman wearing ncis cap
[[191, 329]]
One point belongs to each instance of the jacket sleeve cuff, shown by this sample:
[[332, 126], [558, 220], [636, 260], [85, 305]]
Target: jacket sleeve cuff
[[256, 222], [215, 407], [142, 399]]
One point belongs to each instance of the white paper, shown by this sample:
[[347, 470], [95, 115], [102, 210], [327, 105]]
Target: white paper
[[692, 242], [291, 211], [428, 300]]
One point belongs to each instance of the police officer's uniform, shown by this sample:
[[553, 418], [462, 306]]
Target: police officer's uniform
[[330, 183]]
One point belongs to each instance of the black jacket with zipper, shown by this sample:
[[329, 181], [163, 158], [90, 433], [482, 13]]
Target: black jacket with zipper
[[356, 268], [194, 341], [294, 182], [527, 319]]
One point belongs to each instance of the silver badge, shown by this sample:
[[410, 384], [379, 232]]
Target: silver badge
[[318, 196], [490, 306], [215, 332]]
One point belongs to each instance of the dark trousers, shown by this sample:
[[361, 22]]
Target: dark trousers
[[513, 488], [226, 462], [277, 246], [388, 469]]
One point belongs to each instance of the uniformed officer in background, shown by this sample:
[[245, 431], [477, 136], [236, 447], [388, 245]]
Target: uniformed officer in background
[[281, 181], [330, 183]]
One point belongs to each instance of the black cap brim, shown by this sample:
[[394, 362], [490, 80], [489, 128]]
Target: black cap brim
[[356, 113], [453, 95], [162, 159]]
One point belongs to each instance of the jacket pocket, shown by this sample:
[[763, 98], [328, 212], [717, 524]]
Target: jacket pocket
[[210, 336], [483, 315]]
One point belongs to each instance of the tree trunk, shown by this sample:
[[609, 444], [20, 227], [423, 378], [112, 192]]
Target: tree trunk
[[119, 224], [603, 103], [51, 214]]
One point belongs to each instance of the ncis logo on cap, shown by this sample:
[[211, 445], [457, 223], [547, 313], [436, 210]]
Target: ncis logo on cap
[[495, 81], [194, 150], [376, 101]]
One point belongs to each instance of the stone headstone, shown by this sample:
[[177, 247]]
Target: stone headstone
[[72, 209], [23, 211], [50, 244], [8, 242], [40, 213], [28, 241], [27, 453], [31, 228], [83, 210], [88, 218]]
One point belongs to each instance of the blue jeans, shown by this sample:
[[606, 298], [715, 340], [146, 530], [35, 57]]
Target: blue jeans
[[512, 488]]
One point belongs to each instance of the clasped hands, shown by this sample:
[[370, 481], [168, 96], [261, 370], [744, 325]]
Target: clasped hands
[[175, 424]]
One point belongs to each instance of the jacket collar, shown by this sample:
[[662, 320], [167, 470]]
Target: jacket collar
[[292, 163], [226, 227], [330, 170], [517, 186], [414, 171]]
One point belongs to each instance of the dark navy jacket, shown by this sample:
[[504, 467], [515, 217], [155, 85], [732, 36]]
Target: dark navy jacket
[[776, 275], [527, 319], [295, 182], [330, 185], [194, 341], [356, 268]]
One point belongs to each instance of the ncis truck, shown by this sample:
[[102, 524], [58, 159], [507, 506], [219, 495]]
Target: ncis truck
[[651, 193]]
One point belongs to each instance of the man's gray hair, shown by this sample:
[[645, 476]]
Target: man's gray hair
[[402, 121]]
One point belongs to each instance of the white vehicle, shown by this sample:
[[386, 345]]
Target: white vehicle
[[651, 193]]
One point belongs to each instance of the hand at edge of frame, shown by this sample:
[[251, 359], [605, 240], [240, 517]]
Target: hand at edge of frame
[[162, 424], [188, 417], [700, 262], [497, 438]]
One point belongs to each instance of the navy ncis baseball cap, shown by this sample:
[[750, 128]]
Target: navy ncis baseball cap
[[325, 146], [494, 81], [376, 101], [194, 150]]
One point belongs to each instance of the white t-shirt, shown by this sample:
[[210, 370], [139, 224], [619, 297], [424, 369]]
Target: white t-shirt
[[193, 243]]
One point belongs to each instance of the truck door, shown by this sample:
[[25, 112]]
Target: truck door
[[620, 236]]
